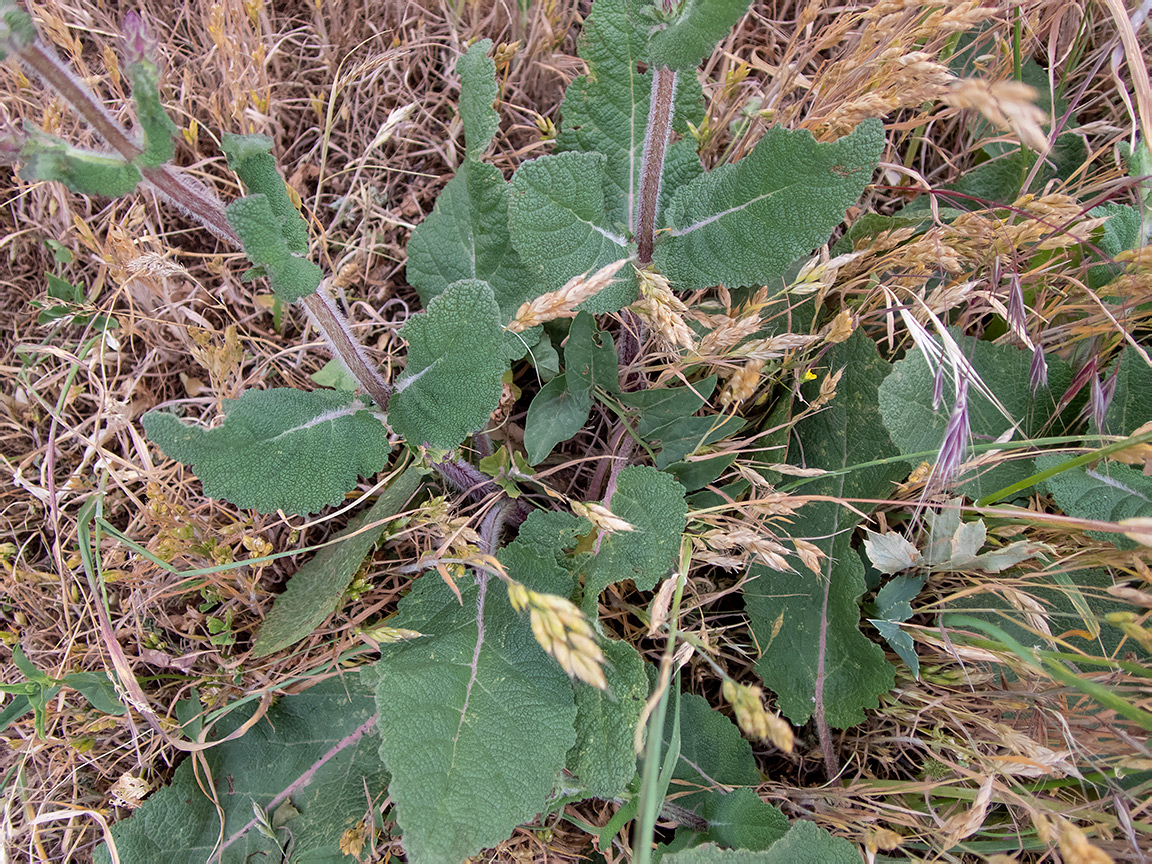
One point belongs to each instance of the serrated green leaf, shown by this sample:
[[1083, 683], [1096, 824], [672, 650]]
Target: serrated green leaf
[[280, 449], [475, 721], [807, 625], [713, 754], [606, 111], [741, 820], [1108, 492], [255, 223], [906, 406], [311, 748], [452, 381], [559, 227], [603, 758], [466, 237], [653, 503], [250, 156], [805, 843], [555, 414], [692, 35], [155, 124], [45, 157], [478, 93], [1131, 405], [743, 224], [313, 592]]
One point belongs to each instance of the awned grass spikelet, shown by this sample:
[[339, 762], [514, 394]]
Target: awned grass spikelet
[[747, 700], [563, 631], [663, 310], [563, 302]]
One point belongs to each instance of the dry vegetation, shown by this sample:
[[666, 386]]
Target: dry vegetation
[[359, 98]]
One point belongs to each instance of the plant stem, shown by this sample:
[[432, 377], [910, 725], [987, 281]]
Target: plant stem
[[652, 164], [201, 204]]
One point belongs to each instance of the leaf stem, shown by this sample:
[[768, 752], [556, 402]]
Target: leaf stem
[[652, 163]]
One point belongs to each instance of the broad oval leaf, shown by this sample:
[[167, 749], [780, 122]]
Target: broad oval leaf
[[805, 843], [555, 414], [743, 224], [280, 449]]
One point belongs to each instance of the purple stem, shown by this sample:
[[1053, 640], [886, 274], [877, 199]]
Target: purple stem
[[652, 163]]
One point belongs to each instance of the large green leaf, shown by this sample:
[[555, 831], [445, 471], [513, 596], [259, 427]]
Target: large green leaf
[[309, 755], [46, 157], [478, 95], [155, 124], [262, 235], [1131, 405], [667, 421], [1108, 492], [805, 843], [314, 590], [906, 406], [741, 820], [560, 229], [692, 35], [452, 381], [475, 719], [653, 503], [743, 224], [606, 111], [557, 412], [713, 754], [250, 156], [603, 759], [807, 625], [280, 449]]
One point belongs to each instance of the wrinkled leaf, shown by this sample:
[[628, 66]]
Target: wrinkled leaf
[[1108, 492], [478, 93], [1131, 405], [280, 449], [805, 843], [692, 35]]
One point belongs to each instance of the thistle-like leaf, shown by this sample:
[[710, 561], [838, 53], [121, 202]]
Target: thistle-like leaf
[[280, 449], [743, 224], [155, 124], [45, 157], [261, 234]]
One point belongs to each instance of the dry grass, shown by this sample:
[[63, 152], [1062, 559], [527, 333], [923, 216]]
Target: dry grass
[[974, 750]]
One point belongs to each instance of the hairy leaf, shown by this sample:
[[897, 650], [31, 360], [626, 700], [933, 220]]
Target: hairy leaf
[[606, 111], [743, 224], [262, 235], [45, 157], [805, 843], [1108, 492], [466, 237], [478, 95], [310, 750], [692, 36], [556, 413], [155, 124], [1131, 405], [452, 381], [906, 406], [250, 156], [741, 820], [603, 759], [713, 755], [475, 720], [280, 449], [314, 591], [653, 503], [807, 625], [560, 229]]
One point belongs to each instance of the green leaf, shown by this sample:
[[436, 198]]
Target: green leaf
[[807, 625], [155, 123], [475, 720], [590, 358], [741, 820], [805, 843], [311, 749], [280, 449], [559, 226], [743, 224], [713, 754], [653, 503], [906, 405], [606, 111], [314, 591], [1108, 492], [250, 156], [466, 237], [452, 381], [97, 689], [603, 758], [666, 420], [255, 223], [45, 157], [692, 35], [894, 606], [478, 94], [1131, 405], [555, 414]]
